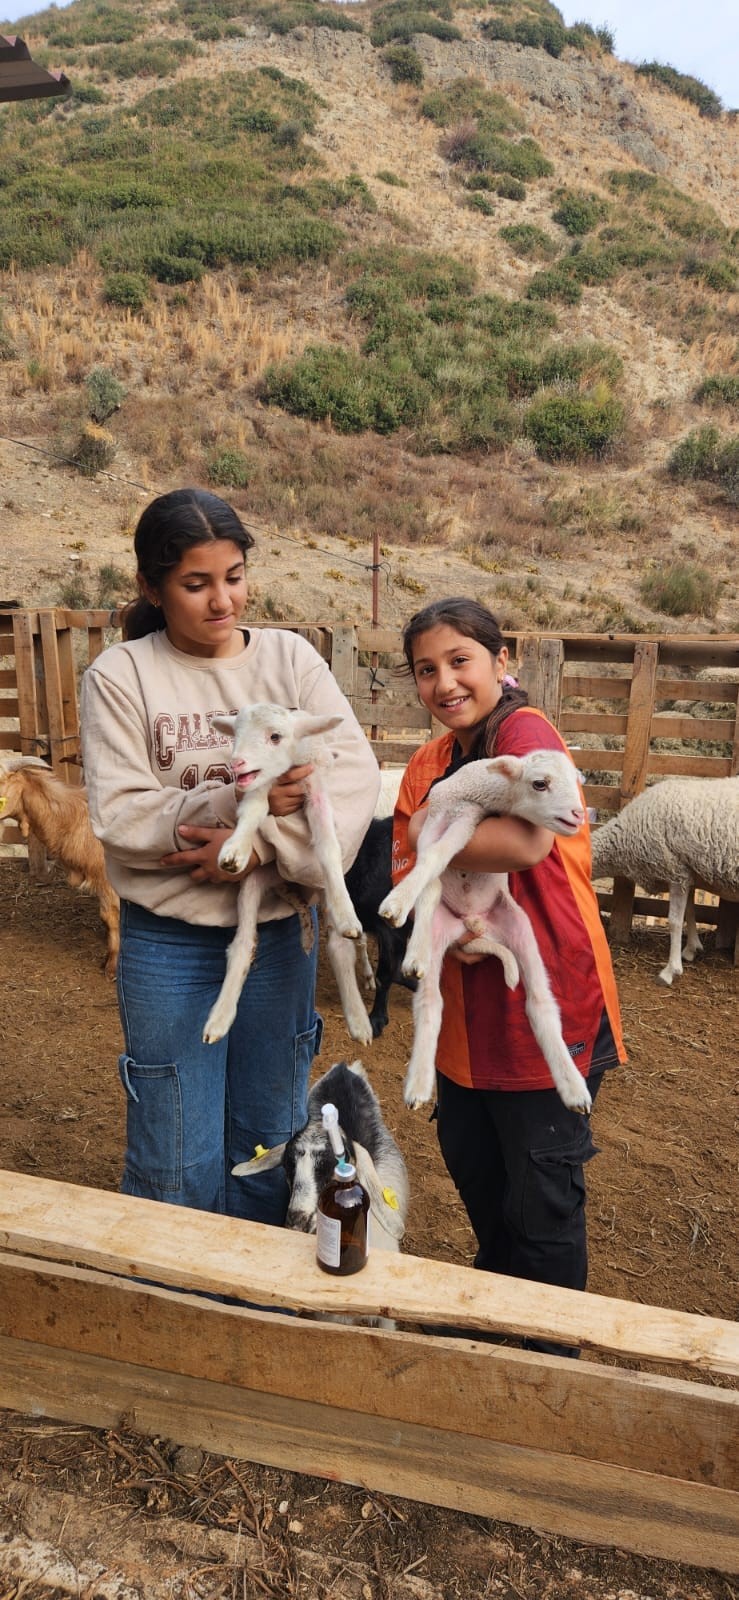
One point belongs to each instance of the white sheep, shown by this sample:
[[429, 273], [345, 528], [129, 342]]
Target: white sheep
[[267, 740], [57, 814], [683, 832], [542, 788]]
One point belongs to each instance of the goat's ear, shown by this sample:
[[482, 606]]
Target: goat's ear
[[223, 725], [261, 1163], [306, 726], [387, 1216], [508, 766]]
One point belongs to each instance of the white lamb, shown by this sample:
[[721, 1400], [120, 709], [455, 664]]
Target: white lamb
[[267, 741], [683, 832], [542, 788]]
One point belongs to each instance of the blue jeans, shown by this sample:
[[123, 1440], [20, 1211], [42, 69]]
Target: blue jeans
[[194, 1110]]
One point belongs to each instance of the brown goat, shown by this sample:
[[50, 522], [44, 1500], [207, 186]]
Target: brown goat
[[57, 815]]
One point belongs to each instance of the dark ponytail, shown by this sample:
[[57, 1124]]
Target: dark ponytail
[[166, 529], [473, 620]]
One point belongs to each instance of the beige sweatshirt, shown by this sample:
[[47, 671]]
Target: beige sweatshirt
[[152, 762]]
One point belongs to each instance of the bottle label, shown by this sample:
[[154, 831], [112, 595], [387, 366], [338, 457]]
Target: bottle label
[[328, 1240]]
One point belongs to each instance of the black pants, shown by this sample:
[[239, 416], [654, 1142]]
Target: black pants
[[517, 1161]]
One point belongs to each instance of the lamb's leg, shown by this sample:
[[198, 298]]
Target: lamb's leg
[[693, 943], [418, 953], [234, 854], [364, 964], [679, 894], [438, 842], [428, 1005], [240, 956], [341, 956], [512, 924], [339, 907]]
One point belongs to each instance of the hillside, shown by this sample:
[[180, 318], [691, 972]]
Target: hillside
[[454, 275]]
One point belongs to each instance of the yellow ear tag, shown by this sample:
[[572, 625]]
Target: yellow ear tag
[[3, 803], [391, 1199], [259, 1150]]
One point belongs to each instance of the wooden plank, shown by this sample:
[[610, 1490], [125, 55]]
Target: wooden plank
[[273, 1267], [539, 668], [8, 678], [601, 760], [95, 644], [577, 687], [28, 698], [602, 1504], [592, 722], [675, 766], [397, 751], [641, 704], [650, 906], [9, 706], [61, 693], [10, 739], [344, 660], [685, 1430], [387, 714], [724, 691], [604, 796]]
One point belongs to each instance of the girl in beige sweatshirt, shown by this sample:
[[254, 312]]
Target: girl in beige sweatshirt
[[162, 801]]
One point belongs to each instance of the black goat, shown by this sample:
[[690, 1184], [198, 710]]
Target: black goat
[[369, 881]]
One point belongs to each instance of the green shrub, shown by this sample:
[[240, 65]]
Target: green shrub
[[229, 467], [579, 212], [573, 427], [144, 59], [510, 188], [354, 392], [174, 269], [707, 456], [719, 274], [471, 146], [683, 84], [556, 283], [129, 289], [8, 351], [721, 390], [405, 64], [526, 240], [480, 202], [680, 589], [403, 19], [466, 99], [104, 393], [384, 175]]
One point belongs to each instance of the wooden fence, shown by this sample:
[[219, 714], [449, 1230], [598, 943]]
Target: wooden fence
[[587, 1449], [633, 707]]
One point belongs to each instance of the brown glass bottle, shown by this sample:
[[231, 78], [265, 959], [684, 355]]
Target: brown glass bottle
[[342, 1228]]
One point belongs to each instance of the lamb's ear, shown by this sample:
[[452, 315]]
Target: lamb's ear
[[306, 726], [260, 1163], [387, 1215], [224, 725], [508, 766]]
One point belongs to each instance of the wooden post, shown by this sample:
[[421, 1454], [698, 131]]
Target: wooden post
[[344, 661], [61, 694], [540, 668], [33, 737], [634, 772]]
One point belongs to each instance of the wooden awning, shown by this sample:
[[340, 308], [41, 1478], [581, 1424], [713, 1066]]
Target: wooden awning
[[21, 78]]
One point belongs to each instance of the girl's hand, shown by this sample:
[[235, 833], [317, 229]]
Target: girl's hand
[[287, 795], [201, 859]]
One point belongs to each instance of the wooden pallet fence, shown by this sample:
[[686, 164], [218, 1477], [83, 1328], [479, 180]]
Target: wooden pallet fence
[[587, 1450]]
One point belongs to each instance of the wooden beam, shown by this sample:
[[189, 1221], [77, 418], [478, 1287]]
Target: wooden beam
[[194, 1250], [587, 1500], [682, 1429]]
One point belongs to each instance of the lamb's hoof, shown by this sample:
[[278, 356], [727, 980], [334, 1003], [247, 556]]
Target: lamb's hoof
[[415, 1092], [217, 1025], [392, 911], [579, 1100], [360, 1032], [666, 976], [230, 863], [413, 967], [349, 930]]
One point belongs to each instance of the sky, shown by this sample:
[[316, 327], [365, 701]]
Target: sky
[[701, 39]]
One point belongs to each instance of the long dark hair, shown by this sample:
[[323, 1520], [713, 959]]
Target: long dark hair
[[172, 524], [473, 620]]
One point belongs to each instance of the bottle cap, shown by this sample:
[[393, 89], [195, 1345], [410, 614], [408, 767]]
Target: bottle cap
[[344, 1169], [330, 1119]]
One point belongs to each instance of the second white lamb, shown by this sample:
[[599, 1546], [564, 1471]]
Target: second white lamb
[[541, 787]]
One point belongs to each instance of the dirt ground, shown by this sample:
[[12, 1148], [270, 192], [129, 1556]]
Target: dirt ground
[[112, 1517]]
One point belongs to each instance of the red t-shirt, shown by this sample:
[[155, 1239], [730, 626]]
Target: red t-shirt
[[486, 1041]]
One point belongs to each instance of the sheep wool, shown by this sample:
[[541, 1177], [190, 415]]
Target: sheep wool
[[682, 830]]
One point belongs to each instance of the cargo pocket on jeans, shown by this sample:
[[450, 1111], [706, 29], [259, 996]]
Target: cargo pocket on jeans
[[554, 1187], [153, 1128], [306, 1046]]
